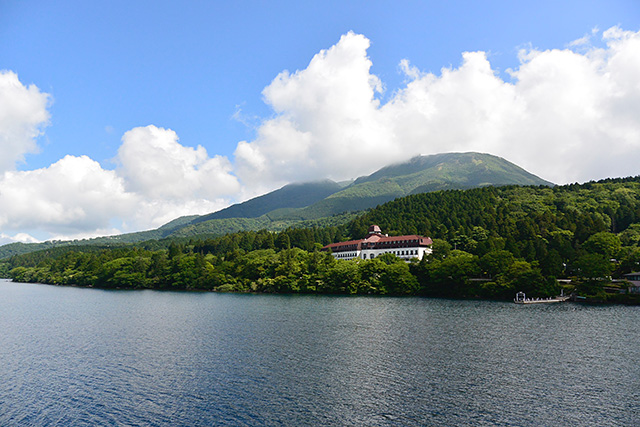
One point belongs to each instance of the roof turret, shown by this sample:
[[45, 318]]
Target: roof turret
[[374, 229]]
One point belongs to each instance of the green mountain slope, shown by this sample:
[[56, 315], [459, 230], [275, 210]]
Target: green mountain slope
[[297, 195], [459, 169]]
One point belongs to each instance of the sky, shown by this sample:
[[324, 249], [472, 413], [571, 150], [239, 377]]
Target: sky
[[120, 116]]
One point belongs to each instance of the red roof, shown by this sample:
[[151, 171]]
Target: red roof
[[350, 243], [377, 241]]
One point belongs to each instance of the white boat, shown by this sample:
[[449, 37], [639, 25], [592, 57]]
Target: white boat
[[521, 298]]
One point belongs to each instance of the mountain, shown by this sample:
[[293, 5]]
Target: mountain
[[327, 202], [294, 196], [422, 174], [469, 170]]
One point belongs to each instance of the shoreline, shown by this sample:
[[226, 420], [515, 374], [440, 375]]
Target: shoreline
[[585, 301]]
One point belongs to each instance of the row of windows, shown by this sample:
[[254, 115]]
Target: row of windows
[[349, 255], [346, 255], [397, 253]]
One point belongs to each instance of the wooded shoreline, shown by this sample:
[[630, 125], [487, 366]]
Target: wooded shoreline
[[488, 243]]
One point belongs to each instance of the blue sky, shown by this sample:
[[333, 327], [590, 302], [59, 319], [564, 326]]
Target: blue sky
[[198, 73]]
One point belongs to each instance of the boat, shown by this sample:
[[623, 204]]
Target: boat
[[521, 298]]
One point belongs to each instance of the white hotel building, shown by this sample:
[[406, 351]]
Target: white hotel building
[[376, 243]]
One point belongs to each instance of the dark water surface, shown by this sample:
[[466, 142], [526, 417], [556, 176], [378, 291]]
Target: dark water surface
[[72, 356]]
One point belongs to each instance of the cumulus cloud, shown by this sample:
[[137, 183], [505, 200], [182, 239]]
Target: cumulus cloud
[[159, 180], [327, 122], [564, 115], [72, 195], [463, 109], [23, 115], [156, 165]]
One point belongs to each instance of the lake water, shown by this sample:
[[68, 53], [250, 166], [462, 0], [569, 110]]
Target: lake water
[[73, 357]]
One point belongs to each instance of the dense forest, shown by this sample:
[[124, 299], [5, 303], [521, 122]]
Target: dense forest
[[488, 243]]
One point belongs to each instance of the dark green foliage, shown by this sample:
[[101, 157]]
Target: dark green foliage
[[265, 270], [4, 270]]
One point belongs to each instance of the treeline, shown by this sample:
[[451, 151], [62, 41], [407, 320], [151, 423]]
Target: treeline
[[488, 242], [264, 270], [446, 272]]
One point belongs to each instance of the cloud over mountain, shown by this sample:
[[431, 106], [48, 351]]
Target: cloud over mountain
[[565, 114], [328, 122]]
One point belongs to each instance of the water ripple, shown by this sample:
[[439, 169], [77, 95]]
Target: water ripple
[[88, 357]]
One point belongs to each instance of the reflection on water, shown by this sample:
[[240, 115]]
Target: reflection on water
[[73, 356]]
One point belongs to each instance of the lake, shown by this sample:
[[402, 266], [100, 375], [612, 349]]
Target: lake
[[74, 357]]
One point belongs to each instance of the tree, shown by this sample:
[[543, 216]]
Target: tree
[[594, 269], [450, 276], [174, 250], [631, 236], [522, 276], [4, 270], [396, 279], [604, 243], [389, 259], [496, 262], [283, 241], [594, 266], [440, 249], [340, 276], [370, 273], [125, 272]]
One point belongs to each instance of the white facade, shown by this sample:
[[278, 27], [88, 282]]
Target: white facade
[[404, 253], [376, 244]]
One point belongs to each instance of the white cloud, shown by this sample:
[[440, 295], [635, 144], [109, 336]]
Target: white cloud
[[586, 39], [461, 110], [19, 237], [155, 213], [328, 122], [579, 119], [72, 195], [158, 181], [156, 166], [565, 115], [23, 115]]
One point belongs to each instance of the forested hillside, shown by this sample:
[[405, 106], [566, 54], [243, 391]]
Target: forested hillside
[[488, 242]]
